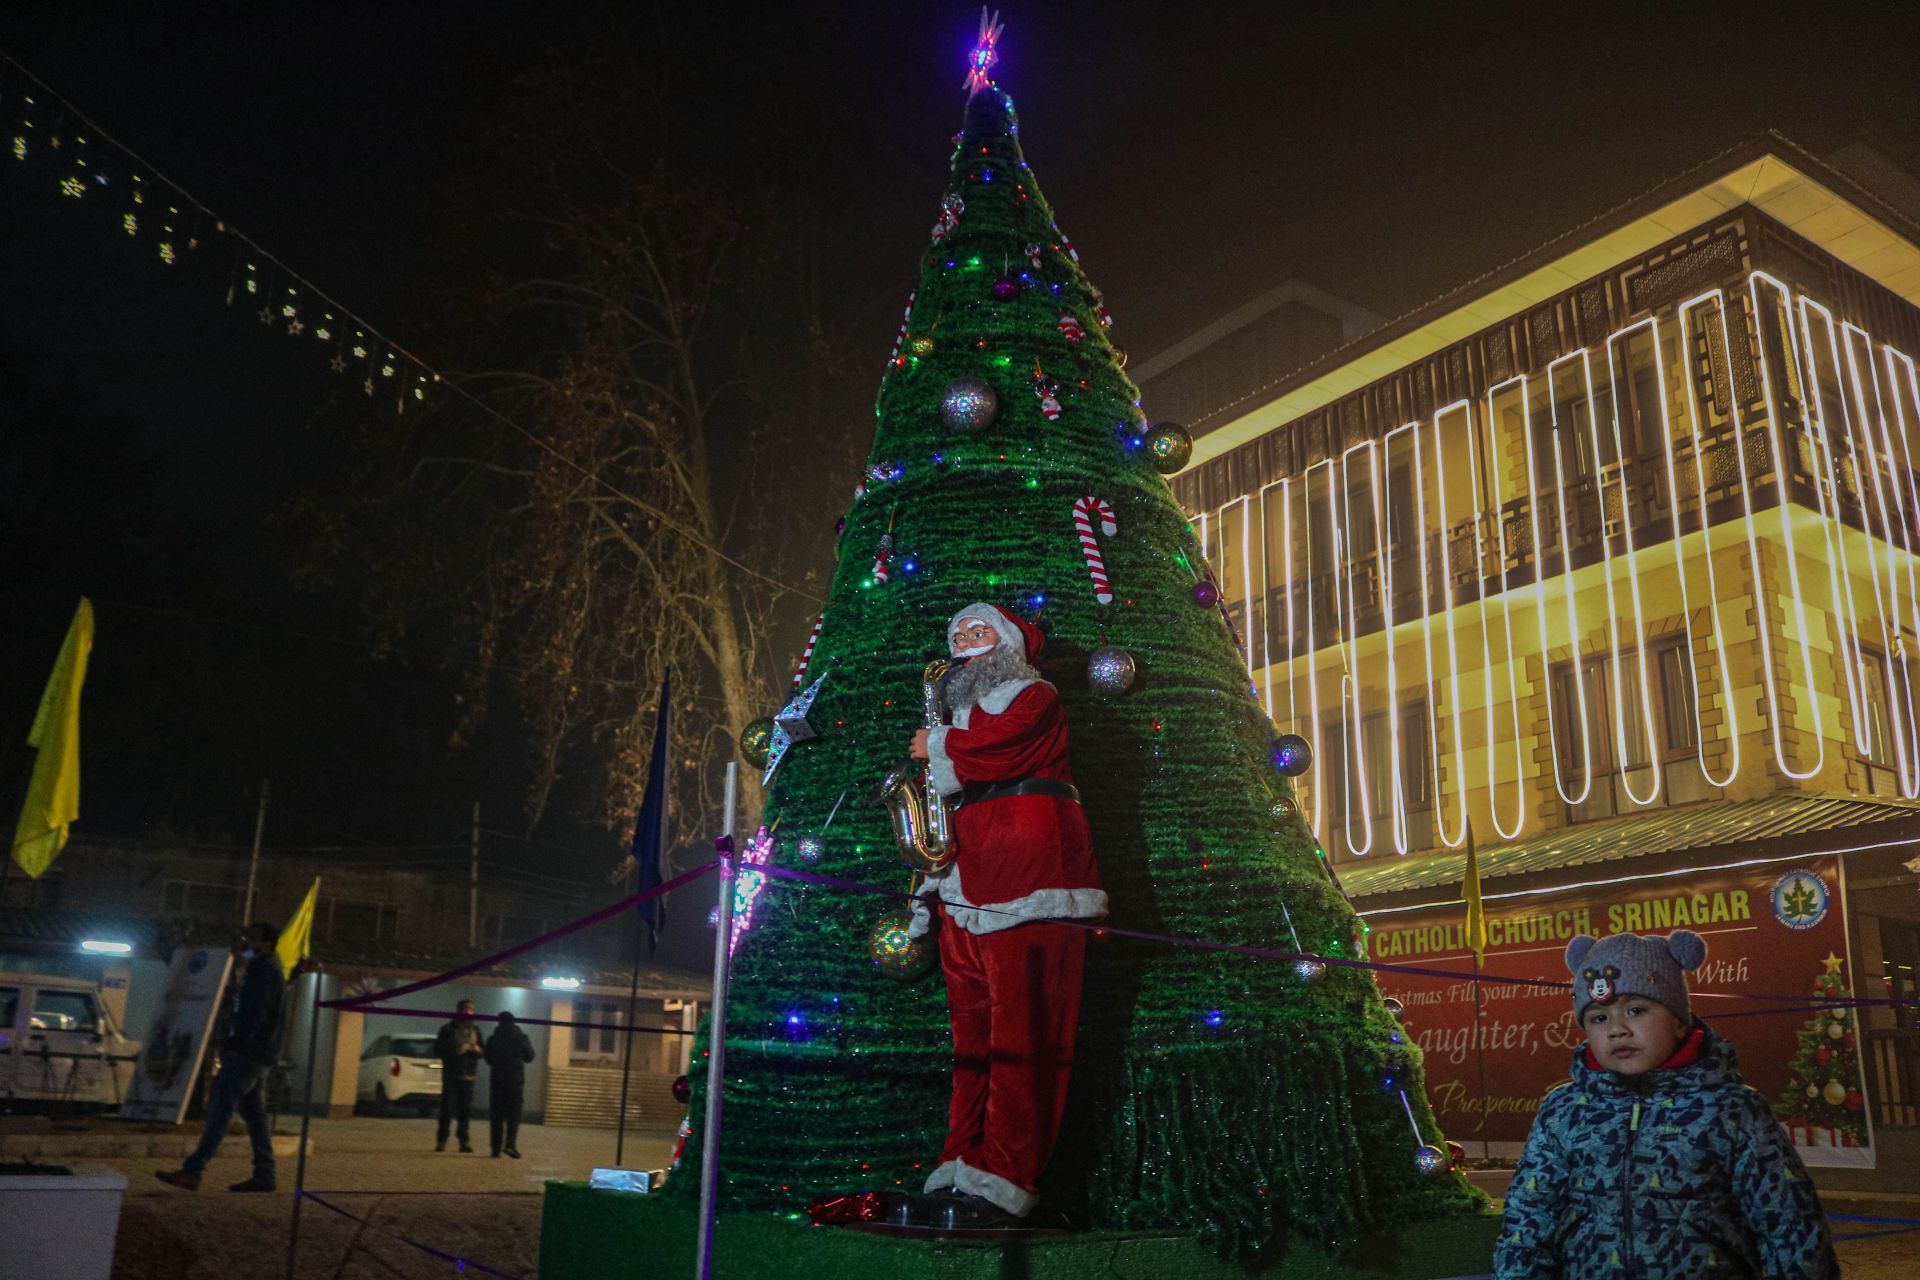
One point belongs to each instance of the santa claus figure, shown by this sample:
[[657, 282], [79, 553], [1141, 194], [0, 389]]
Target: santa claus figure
[[1023, 861]]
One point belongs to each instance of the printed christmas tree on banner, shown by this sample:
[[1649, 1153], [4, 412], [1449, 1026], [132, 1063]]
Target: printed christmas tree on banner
[[1823, 1094], [1248, 1101]]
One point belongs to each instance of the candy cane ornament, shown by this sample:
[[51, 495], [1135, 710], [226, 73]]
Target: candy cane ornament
[[806, 655], [1083, 513]]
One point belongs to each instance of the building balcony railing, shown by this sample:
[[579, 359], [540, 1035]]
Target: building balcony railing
[[1630, 503]]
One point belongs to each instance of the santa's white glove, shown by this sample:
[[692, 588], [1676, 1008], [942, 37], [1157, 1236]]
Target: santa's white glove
[[922, 923]]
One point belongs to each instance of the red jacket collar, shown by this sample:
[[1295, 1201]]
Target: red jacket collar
[[1685, 1056]]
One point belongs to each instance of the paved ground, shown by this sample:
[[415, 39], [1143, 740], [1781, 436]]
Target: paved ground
[[384, 1170], [486, 1210]]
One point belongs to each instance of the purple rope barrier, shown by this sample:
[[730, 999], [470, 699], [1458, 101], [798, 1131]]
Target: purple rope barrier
[[513, 953], [1268, 953], [399, 1012], [460, 1264]]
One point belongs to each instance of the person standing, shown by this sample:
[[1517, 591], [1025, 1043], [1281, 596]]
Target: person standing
[[249, 1052], [508, 1053], [460, 1054]]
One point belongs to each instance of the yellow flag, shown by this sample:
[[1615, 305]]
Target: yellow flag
[[294, 939], [1476, 914], [53, 794]]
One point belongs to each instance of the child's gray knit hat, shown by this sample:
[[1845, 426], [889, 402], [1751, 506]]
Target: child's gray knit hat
[[1626, 964]]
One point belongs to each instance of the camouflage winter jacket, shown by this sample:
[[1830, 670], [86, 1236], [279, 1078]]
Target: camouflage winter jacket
[[1678, 1174]]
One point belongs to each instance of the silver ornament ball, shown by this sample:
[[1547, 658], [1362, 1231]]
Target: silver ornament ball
[[1309, 972], [1111, 669], [1430, 1160], [810, 848], [968, 405]]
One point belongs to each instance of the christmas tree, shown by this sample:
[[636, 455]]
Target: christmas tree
[[1823, 1092], [1252, 1102]]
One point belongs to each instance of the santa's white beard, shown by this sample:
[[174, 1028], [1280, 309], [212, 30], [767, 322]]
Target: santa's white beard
[[972, 681]]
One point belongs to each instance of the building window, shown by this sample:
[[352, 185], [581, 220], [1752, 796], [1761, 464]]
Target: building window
[[1874, 737], [601, 1040], [335, 918], [199, 900], [1373, 827], [1625, 755]]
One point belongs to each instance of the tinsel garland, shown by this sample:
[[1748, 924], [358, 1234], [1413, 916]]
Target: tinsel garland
[[1212, 1094]]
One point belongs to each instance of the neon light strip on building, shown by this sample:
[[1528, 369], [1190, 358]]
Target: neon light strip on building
[[1878, 452]]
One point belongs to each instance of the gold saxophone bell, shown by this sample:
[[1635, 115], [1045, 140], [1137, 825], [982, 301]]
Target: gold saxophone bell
[[922, 821]]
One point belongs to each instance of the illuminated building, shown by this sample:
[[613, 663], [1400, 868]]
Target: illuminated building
[[1612, 553]]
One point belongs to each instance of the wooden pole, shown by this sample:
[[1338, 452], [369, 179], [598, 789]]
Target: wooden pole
[[253, 863]]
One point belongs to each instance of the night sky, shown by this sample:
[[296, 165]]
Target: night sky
[[1196, 154]]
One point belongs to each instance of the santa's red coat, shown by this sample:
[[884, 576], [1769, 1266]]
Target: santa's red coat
[[1027, 857]]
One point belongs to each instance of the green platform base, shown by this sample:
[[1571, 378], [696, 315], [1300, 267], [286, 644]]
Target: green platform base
[[612, 1235]]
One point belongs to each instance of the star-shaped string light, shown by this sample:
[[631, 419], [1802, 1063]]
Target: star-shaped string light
[[986, 52], [790, 726]]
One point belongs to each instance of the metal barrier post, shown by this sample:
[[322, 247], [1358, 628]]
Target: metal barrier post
[[306, 1123], [717, 1033]]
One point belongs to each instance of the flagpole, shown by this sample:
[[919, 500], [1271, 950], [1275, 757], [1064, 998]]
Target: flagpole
[[1480, 1052], [717, 1034], [626, 1056]]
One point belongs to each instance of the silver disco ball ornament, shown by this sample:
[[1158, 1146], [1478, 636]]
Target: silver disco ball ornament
[[895, 952], [1431, 1160], [968, 405], [810, 848], [1111, 669], [1309, 972], [1291, 754], [1393, 1006]]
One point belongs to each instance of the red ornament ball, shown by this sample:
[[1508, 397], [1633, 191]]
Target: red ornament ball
[[681, 1089], [1854, 1100], [1823, 1056], [1206, 594]]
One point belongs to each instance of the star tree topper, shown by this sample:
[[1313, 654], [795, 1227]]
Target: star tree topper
[[986, 52]]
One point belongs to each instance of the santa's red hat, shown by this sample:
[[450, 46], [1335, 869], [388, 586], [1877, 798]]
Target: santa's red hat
[[1013, 628]]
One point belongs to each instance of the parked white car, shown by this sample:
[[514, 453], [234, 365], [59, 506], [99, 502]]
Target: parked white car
[[59, 1047], [400, 1071]]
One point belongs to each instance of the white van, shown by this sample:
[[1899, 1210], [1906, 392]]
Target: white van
[[59, 1044]]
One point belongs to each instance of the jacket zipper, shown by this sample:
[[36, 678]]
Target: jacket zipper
[[1626, 1194]]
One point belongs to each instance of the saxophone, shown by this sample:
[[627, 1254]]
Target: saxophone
[[922, 821]]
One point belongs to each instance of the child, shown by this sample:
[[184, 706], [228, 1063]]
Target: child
[[1656, 1161]]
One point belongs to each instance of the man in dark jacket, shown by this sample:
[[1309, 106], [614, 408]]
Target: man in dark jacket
[[251, 1048], [460, 1053], [508, 1053]]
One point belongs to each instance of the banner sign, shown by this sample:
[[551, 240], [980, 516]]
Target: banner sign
[[176, 1043], [1778, 929]]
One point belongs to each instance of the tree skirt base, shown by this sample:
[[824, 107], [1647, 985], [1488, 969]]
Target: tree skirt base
[[613, 1235]]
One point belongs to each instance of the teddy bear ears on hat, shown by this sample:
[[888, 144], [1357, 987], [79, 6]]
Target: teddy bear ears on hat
[[1687, 948]]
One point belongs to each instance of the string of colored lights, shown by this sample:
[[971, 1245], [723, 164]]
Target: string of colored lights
[[1878, 456], [289, 301]]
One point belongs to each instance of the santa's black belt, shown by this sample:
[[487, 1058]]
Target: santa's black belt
[[981, 792]]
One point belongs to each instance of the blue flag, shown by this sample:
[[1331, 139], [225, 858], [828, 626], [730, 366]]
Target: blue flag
[[650, 827]]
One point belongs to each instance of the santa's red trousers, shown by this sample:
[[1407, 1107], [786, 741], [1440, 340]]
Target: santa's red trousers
[[1014, 998]]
